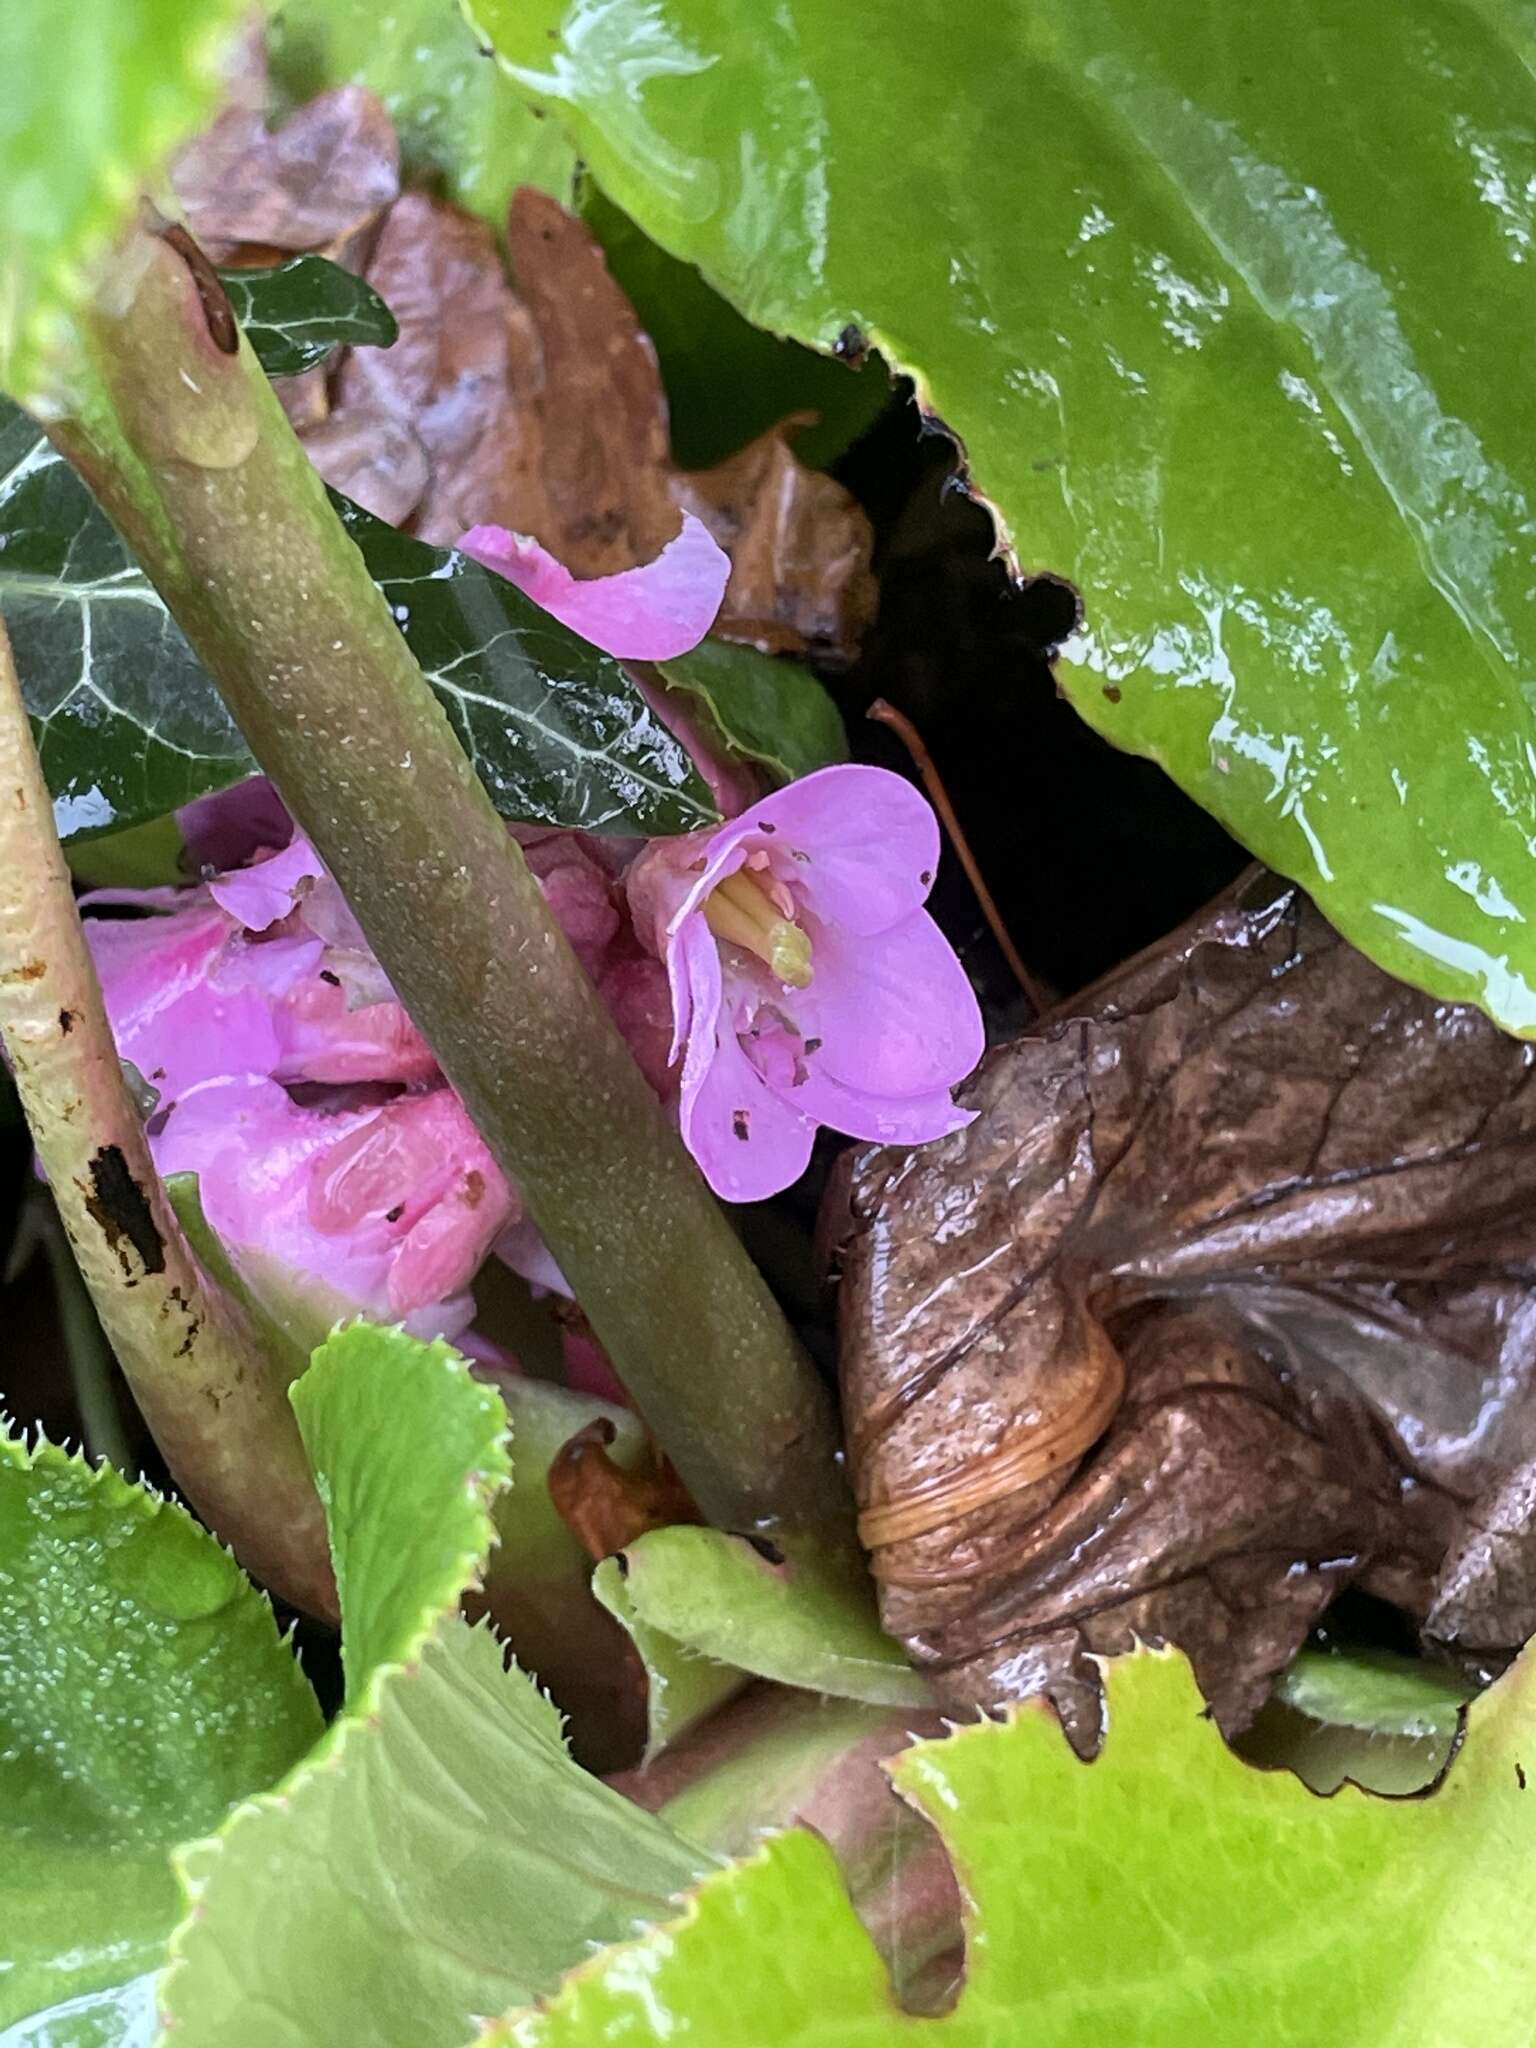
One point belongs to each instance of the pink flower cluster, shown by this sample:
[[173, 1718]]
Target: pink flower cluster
[[771, 976]]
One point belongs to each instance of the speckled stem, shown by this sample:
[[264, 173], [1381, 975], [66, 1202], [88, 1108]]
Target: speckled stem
[[191, 455], [219, 1411]]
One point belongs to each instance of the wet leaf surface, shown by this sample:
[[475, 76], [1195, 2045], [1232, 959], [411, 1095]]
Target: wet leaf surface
[[130, 724], [1225, 328], [1166, 1894], [772, 712], [296, 313], [1220, 1305], [144, 1688]]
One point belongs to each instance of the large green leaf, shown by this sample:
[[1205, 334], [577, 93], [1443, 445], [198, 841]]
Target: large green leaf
[[462, 124], [440, 1854], [1229, 311], [1166, 1894], [96, 98], [129, 724], [295, 313], [143, 1689]]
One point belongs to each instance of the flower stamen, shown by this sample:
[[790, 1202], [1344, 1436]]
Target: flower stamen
[[741, 911]]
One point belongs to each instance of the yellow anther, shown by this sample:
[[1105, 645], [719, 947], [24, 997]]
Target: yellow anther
[[741, 911]]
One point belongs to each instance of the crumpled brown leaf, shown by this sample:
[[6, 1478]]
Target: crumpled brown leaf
[[1292, 1204], [312, 183], [605, 1507], [541, 409]]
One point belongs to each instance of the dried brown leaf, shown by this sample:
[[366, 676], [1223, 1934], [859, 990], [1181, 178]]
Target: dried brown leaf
[[1293, 1201], [606, 1507], [799, 546], [371, 457], [313, 183]]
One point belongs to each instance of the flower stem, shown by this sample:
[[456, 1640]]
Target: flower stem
[[188, 449], [217, 1408]]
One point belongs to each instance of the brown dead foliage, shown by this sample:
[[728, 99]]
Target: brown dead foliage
[[1227, 1300]]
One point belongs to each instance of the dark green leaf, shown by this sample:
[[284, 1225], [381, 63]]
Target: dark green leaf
[[143, 1689], [557, 731], [769, 710], [126, 719], [1231, 313], [296, 312], [130, 724], [726, 380]]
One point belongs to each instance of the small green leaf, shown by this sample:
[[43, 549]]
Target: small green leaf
[[130, 725], [143, 1689], [95, 102], [682, 1688], [765, 708], [463, 125], [1166, 1894], [296, 313], [1375, 1692], [126, 720], [1364, 1717], [806, 1621], [1255, 394], [440, 1853]]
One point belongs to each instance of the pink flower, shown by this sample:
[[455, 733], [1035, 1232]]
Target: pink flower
[[651, 613], [388, 1210], [809, 986]]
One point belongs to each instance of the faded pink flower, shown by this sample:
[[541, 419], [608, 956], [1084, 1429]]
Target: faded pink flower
[[387, 1210], [809, 986], [651, 613]]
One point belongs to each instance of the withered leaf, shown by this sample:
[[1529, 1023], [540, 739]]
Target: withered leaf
[[312, 183], [541, 409], [1290, 1206], [606, 1507], [368, 455], [799, 546]]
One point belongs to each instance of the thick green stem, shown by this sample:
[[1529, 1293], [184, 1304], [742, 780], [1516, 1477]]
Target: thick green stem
[[218, 1409], [192, 457]]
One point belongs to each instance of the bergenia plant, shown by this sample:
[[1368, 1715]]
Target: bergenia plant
[[835, 1476]]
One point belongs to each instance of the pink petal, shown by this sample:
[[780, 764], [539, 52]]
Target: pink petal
[[693, 969], [860, 844], [895, 1014], [647, 614], [321, 1038], [259, 897], [749, 1142], [171, 1017], [881, 1119]]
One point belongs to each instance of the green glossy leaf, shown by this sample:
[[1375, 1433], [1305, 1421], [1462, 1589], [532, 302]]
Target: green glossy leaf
[[764, 708], [726, 380], [1166, 1894], [95, 102], [143, 1689], [805, 1620], [463, 125], [129, 724], [126, 720], [440, 1853], [296, 313], [1228, 319]]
